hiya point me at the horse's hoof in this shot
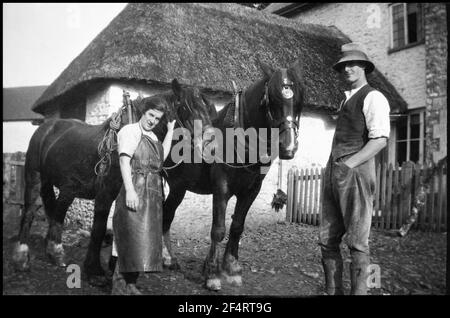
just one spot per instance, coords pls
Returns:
(58, 261)
(55, 253)
(172, 267)
(171, 264)
(21, 258)
(235, 280)
(213, 284)
(98, 281)
(22, 266)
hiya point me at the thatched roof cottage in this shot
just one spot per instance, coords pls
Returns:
(203, 44)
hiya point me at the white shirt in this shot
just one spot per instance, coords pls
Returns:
(376, 112)
(129, 136)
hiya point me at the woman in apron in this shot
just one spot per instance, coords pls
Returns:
(137, 220)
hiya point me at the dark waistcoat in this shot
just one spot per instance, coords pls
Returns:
(351, 131)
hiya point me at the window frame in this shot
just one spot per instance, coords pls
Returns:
(408, 139)
(421, 35)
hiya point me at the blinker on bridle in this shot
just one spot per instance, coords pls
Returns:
(287, 94)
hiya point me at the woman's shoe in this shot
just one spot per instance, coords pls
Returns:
(131, 289)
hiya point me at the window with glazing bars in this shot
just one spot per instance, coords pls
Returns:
(407, 24)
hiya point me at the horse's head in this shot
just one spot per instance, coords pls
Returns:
(282, 103)
(195, 113)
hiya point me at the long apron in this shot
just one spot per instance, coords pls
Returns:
(138, 234)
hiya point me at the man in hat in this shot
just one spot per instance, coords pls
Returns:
(361, 132)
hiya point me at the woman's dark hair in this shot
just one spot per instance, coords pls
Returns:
(154, 102)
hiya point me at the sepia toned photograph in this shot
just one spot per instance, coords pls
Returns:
(259, 150)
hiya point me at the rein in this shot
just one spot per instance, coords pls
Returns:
(177, 119)
(108, 145)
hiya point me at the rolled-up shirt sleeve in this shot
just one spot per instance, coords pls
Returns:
(376, 112)
(128, 139)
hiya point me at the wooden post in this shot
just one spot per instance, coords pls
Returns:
(18, 168)
(424, 215)
(280, 176)
(396, 199)
(409, 190)
(383, 197)
(310, 188)
(431, 205)
(20, 183)
(440, 174)
(300, 197)
(311, 196)
(403, 195)
(444, 190)
(305, 199)
(416, 188)
(389, 198)
(322, 186)
(290, 187)
(295, 197)
(316, 197)
(377, 187)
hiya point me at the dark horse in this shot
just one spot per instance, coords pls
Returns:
(272, 102)
(64, 153)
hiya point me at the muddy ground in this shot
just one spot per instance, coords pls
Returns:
(278, 259)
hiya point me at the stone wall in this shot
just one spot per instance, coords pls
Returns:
(435, 16)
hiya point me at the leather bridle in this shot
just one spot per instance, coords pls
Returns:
(288, 103)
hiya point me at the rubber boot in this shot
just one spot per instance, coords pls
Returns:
(118, 283)
(359, 274)
(112, 265)
(332, 268)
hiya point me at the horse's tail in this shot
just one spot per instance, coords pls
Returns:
(33, 163)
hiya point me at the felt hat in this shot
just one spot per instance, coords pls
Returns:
(353, 52)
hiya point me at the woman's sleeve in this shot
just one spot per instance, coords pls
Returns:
(127, 141)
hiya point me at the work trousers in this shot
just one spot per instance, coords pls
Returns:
(347, 208)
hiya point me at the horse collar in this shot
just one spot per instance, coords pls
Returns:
(238, 111)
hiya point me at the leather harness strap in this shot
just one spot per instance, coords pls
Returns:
(238, 115)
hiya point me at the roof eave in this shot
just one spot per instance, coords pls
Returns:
(294, 8)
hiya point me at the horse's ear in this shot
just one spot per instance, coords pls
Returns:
(268, 70)
(176, 88)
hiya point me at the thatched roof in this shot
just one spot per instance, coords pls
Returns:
(207, 45)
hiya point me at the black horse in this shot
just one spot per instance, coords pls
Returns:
(272, 102)
(65, 153)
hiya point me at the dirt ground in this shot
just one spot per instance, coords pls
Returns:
(278, 259)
